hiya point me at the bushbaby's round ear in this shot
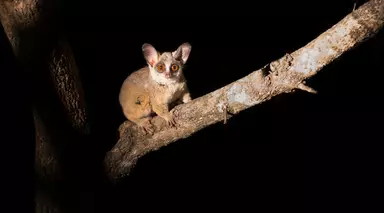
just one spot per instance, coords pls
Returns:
(182, 53)
(150, 53)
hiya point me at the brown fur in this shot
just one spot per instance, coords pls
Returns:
(134, 98)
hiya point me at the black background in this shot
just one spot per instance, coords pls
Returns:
(297, 150)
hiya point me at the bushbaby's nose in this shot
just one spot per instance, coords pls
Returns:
(167, 74)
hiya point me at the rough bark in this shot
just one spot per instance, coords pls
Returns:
(281, 76)
(57, 98)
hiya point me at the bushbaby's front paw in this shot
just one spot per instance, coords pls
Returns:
(187, 98)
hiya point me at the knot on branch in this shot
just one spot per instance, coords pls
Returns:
(281, 65)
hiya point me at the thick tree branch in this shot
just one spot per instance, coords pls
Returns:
(281, 76)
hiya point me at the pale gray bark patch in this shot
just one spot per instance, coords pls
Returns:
(237, 94)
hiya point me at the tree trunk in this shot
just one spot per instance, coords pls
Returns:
(57, 99)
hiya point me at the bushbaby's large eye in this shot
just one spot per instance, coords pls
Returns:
(160, 68)
(174, 67)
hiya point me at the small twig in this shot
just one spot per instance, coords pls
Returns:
(354, 5)
(304, 87)
(225, 109)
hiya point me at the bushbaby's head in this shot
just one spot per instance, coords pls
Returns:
(166, 67)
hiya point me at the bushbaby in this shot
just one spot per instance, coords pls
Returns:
(154, 88)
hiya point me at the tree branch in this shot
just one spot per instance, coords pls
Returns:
(281, 76)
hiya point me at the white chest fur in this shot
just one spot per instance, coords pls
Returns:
(173, 92)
